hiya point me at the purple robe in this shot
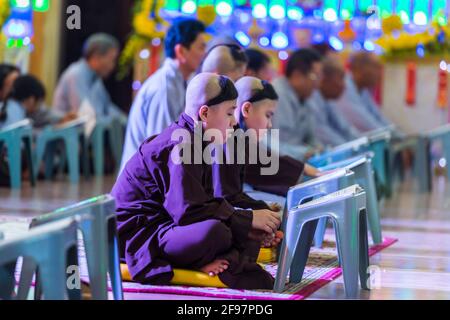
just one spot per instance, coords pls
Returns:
(168, 217)
(229, 179)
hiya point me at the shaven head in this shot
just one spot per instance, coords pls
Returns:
(256, 103)
(247, 87)
(204, 87)
(228, 60)
(211, 99)
(366, 69)
(333, 83)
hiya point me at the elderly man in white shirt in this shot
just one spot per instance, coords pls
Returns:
(294, 117)
(357, 104)
(332, 129)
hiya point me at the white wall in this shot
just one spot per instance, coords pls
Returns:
(423, 116)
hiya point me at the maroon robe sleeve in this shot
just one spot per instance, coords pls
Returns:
(288, 175)
(187, 201)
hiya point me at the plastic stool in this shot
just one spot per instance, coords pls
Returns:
(347, 210)
(51, 249)
(12, 137)
(98, 226)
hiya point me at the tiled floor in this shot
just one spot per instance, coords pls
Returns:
(417, 267)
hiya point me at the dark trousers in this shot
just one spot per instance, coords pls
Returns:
(196, 245)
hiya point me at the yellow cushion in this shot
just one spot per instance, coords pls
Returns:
(267, 255)
(197, 278)
(184, 278)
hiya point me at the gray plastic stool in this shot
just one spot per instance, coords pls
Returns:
(98, 226)
(364, 175)
(347, 210)
(51, 248)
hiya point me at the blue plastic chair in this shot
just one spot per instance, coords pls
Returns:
(362, 167)
(379, 145)
(423, 166)
(12, 137)
(72, 136)
(51, 249)
(318, 187)
(114, 128)
(347, 210)
(341, 152)
(98, 226)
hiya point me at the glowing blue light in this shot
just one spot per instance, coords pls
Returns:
(357, 46)
(420, 51)
(189, 7)
(259, 11)
(369, 45)
(242, 38)
(330, 15)
(336, 43)
(442, 162)
(16, 28)
(277, 12)
(295, 13)
(156, 42)
(264, 41)
(279, 40)
(144, 54)
(136, 85)
(318, 38)
(443, 65)
(373, 23)
(283, 55)
(317, 14)
(244, 18)
(224, 9)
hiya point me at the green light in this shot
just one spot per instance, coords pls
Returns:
(386, 8)
(277, 9)
(10, 43)
(21, 4)
(19, 43)
(188, 6)
(295, 13)
(41, 5)
(172, 5)
(330, 4)
(330, 13)
(259, 8)
(347, 9)
(203, 3)
(403, 10)
(345, 14)
(404, 16)
(420, 16)
(241, 2)
(364, 5)
(442, 20)
(439, 12)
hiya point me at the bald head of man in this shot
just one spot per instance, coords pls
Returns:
(256, 103)
(333, 82)
(226, 59)
(211, 99)
(366, 69)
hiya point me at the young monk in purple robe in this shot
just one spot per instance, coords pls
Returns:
(168, 216)
(257, 104)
